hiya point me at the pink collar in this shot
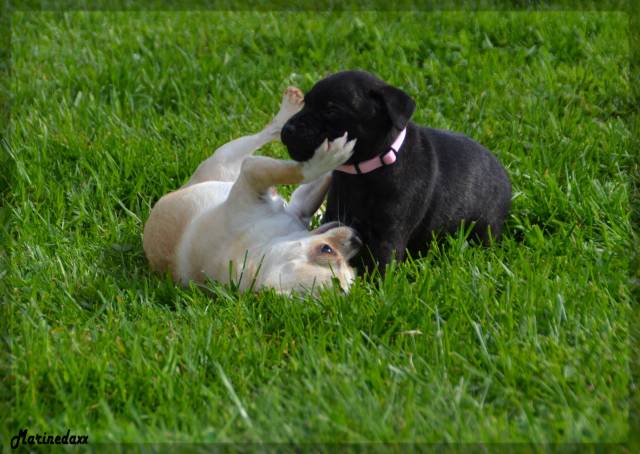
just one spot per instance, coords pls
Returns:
(385, 159)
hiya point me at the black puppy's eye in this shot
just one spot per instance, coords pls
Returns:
(326, 249)
(331, 113)
(332, 109)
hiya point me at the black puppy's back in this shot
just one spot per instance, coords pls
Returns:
(471, 187)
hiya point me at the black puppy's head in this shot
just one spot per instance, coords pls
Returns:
(357, 102)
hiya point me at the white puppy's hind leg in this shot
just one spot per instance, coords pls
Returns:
(292, 102)
(226, 161)
(224, 164)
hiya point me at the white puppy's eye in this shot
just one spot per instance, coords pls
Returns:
(326, 249)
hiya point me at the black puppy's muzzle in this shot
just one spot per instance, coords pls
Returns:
(301, 135)
(288, 130)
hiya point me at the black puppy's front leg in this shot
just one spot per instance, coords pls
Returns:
(379, 252)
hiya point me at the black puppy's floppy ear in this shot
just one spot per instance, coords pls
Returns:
(399, 105)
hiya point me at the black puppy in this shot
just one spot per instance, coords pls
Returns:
(404, 182)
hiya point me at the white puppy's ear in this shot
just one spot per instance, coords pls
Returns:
(338, 237)
(325, 228)
(400, 106)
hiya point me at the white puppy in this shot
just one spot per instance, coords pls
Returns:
(229, 224)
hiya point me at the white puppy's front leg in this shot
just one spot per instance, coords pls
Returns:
(259, 173)
(307, 198)
(327, 157)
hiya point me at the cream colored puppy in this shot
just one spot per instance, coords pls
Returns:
(229, 224)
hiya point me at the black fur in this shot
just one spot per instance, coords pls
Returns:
(440, 179)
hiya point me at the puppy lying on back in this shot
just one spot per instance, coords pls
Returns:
(404, 182)
(229, 224)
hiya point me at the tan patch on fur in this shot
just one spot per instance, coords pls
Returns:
(163, 231)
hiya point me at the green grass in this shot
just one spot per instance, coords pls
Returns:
(524, 341)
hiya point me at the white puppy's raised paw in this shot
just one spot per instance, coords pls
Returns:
(292, 102)
(327, 157)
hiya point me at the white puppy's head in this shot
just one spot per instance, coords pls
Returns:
(311, 261)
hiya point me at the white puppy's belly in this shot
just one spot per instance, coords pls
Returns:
(207, 195)
(224, 245)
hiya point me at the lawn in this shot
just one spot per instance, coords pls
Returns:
(524, 341)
